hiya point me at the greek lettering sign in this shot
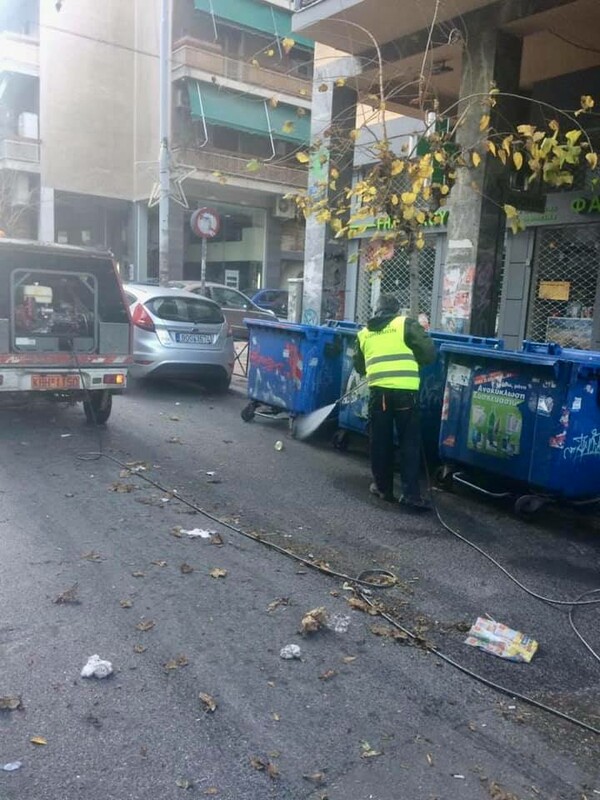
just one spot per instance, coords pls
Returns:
(586, 205)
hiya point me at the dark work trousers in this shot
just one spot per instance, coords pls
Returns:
(399, 409)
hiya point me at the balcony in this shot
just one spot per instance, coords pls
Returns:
(193, 59)
(19, 53)
(234, 167)
(20, 154)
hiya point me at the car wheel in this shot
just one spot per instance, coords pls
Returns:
(97, 409)
(222, 384)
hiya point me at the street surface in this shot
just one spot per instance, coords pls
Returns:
(360, 716)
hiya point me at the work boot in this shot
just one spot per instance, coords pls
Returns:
(389, 498)
(410, 503)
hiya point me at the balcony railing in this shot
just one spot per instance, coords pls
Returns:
(300, 4)
(19, 53)
(23, 151)
(235, 166)
(192, 54)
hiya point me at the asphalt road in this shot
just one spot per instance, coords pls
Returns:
(366, 716)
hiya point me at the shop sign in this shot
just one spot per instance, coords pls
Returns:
(554, 290)
(586, 205)
(385, 223)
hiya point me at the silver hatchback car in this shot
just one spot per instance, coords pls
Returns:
(177, 334)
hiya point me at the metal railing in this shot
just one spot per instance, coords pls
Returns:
(300, 4)
(25, 150)
(192, 54)
(226, 165)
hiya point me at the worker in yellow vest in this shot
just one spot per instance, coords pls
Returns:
(390, 350)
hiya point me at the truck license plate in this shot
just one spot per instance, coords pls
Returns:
(45, 383)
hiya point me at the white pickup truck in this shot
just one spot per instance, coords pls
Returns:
(64, 326)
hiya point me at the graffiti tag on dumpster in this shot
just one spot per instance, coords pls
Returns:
(584, 446)
(495, 422)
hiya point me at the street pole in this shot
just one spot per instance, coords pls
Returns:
(203, 253)
(163, 167)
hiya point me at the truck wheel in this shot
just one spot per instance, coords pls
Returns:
(97, 409)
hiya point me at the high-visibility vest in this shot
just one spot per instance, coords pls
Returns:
(389, 361)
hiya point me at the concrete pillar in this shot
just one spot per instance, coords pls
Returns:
(476, 221)
(271, 274)
(176, 241)
(139, 241)
(333, 113)
(46, 231)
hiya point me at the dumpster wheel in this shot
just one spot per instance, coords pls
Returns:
(443, 477)
(248, 412)
(528, 505)
(340, 440)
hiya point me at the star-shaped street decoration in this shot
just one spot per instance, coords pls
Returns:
(178, 173)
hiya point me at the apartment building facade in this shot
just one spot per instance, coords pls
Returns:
(79, 133)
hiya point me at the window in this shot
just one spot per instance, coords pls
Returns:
(229, 298)
(185, 309)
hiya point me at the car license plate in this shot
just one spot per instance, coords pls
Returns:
(54, 382)
(194, 338)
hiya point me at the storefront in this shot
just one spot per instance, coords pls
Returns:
(414, 278)
(551, 286)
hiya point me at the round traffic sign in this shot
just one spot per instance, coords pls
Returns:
(205, 223)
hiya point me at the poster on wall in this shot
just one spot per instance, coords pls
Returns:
(495, 420)
(456, 298)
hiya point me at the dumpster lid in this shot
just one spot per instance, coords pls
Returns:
(289, 327)
(534, 359)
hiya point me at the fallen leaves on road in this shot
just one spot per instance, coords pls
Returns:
(217, 539)
(126, 603)
(138, 574)
(68, 596)
(327, 675)
(158, 563)
(280, 601)
(498, 792)
(11, 702)
(184, 783)
(262, 765)
(139, 648)
(429, 759)
(92, 556)
(361, 605)
(122, 488)
(217, 572)
(209, 704)
(186, 569)
(275, 716)
(318, 778)
(174, 418)
(211, 790)
(145, 625)
(314, 620)
(368, 752)
(176, 663)
(38, 740)
(349, 659)
(389, 632)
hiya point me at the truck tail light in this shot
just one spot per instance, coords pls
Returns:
(142, 319)
(117, 379)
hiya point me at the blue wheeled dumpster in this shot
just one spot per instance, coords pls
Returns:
(354, 410)
(292, 368)
(525, 421)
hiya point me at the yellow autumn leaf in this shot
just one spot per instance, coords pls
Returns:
(592, 160)
(476, 159)
(340, 82)
(491, 148)
(510, 211)
(518, 160)
(397, 167)
(484, 122)
(502, 156)
(526, 130)
(300, 112)
(273, 102)
(421, 217)
(302, 157)
(253, 165)
(408, 213)
(573, 137)
(303, 92)
(270, 53)
(395, 200)
(255, 62)
(439, 156)
(444, 189)
(334, 172)
(420, 243)
(554, 126)
(288, 126)
(287, 44)
(323, 87)
(323, 216)
(587, 102)
(353, 135)
(38, 740)
(506, 143)
(217, 572)
(408, 198)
